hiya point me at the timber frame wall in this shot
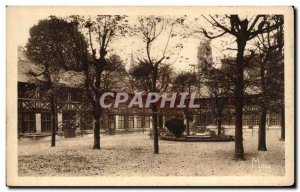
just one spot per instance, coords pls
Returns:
(74, 112)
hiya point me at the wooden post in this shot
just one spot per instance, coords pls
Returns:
(135, 121)
(59, 123)
(150, 122)
(38, 123)
(117, 121)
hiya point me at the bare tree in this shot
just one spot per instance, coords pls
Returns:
(141, 80)
(101, 31)
(243, 30)
(150, 29)
(271, 75)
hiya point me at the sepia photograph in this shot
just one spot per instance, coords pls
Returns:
(150, 96)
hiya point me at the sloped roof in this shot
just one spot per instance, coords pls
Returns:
(26, 65)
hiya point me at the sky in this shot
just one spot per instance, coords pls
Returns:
(126, 47)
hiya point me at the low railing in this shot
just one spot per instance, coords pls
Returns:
(36, 104)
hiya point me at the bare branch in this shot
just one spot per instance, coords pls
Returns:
(212, 37)
(265, 30)
(217, 24)
(254, 23)
(171, 30)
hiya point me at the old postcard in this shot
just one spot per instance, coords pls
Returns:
(150, 96)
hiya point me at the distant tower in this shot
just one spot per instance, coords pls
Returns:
(204, 55)
(132, 64)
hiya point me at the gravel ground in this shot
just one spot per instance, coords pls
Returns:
(132, 155)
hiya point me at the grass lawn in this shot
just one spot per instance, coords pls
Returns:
(132, 155)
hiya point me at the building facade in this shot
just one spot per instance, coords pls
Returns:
(74, 112)
(251, 115)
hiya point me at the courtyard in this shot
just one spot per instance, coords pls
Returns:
(132, 155)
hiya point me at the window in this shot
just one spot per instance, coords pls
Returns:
(274, 119)
(46, 122)
(28, 122)
(111, 122)
(121, 121)
(247, 120)
(140, 122)
(147, 121)
(130, 122)
(256, 120)
(63, 94)
(143, 122)
(126, 122)
(75, 94)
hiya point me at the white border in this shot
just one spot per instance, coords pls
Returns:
(3, 3)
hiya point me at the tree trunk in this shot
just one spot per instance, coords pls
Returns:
(53, 120)
(97, 131)
(239, 148)
(262, 131)
(160, 121)
(219, 126)
(97, 118)
(154, 111)
(155, 129)
(187, 123)
(96, 105)
(187, 115)
(282, 122)
(187, 126)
